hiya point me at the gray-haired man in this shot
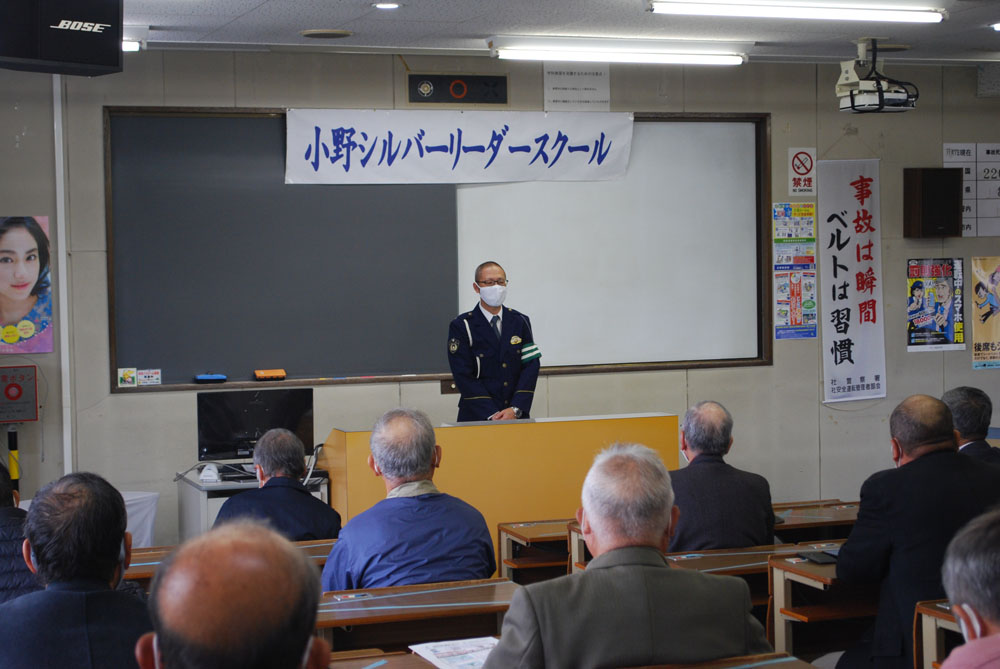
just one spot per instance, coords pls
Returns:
(281, 500)
(721, 506)
(629, 608)
(417, 534)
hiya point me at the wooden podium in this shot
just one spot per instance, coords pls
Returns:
(511, 471)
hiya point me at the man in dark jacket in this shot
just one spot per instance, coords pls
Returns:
(906, 518)
(76, 543)
(721, 506)
(15, 577)
(971, 409)
(281, 500)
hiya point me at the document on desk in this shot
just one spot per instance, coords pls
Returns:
(462, 653)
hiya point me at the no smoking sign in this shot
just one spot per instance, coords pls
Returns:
(802, 171)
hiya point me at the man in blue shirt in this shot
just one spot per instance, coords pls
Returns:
(417, 534)
(281, 500)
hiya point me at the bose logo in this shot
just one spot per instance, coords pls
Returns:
(82, 26)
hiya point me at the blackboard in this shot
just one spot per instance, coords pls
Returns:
(215, 265)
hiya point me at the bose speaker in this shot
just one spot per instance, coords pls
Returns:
(81, 37)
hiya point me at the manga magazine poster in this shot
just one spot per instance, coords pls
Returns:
(934, 289)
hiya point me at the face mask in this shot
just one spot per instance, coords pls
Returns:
(685, 456)
(975, 623)
(493, 295)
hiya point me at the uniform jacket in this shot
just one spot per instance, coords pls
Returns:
(492, 375)
(906, 518)
(15, 577)
(981, 450)
(408, 540)
(74, 624)
(628, 609)
(289, 508)
(721, 506)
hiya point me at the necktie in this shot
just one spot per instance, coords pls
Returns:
(495, 322)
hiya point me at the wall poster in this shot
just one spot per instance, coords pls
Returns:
(25, 285)
(934, 288)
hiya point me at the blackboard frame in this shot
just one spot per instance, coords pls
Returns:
(764, 340)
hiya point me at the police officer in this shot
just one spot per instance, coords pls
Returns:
(492, 353)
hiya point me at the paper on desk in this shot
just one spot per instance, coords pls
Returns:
(464, 653)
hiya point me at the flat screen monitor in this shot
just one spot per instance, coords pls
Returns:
(231, 422)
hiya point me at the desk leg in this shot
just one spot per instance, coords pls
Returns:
(782, 600)
(932, 639)
(506, 553)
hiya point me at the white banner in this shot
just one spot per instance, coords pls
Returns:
(351, 146)
(851, 280)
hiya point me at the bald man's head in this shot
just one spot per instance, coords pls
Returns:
(922, 423)
(238, 596)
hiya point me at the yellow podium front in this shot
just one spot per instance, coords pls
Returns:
(511, 471)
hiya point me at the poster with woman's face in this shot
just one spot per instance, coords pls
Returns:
(25, 285)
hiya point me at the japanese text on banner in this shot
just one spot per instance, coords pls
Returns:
(357, 146)
(851, 283)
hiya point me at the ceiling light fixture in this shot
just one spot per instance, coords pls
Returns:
(606, 50)
(789, 10)
(386, 5)
(133, 37)
(996, 26)
(130, 45)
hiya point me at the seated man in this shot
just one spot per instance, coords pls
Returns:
(971, 575)
(417, 534)
(240, 597)
(280, 461)
(971, 410)
(721, 506)
(906, 518)
(15, 577)
(77, 545)
(629, 608)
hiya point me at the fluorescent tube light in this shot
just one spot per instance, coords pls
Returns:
(996, 26)
(620, 57)
(608, 50)
(778, 10)
(130, 45)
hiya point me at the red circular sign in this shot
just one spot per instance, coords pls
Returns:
(13, 392)
(802, 163)
(456, 86)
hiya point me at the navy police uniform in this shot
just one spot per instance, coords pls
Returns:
(492, 375)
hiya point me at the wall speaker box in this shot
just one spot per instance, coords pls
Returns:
(82, 37)
(932, 202)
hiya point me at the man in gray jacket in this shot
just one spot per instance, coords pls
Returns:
(629, 608)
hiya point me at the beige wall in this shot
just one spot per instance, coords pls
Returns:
(805, 449)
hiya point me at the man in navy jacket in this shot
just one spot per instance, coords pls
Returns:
(281, 500)
(492, 353)
(971, 409)
(77, 545)
(15, 577)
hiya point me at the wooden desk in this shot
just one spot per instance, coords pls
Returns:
(850, 601)
(815, 521)
(931, 621)
(394, 618)
(748, 563)
(508, 470)
(777, 660)
(145, 561)
(373, 657)
(531, 552)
